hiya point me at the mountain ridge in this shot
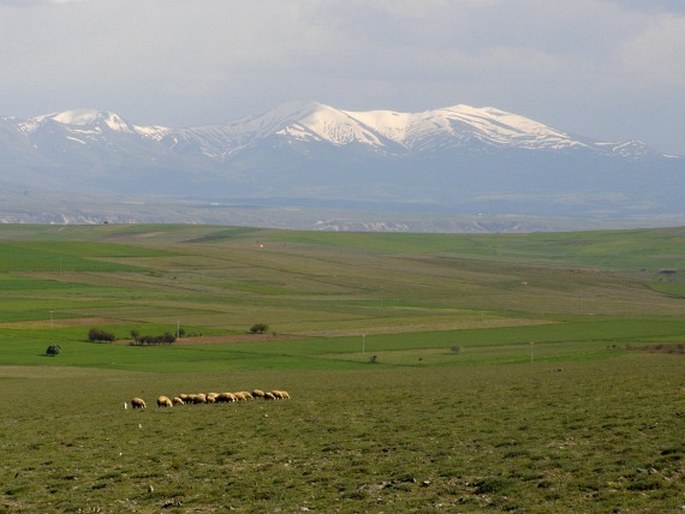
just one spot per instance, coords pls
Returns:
(460, 121)
(459, 158)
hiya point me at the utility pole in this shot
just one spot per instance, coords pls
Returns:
(580, 302)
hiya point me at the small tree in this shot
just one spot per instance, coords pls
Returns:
(259, 328)
(99, 335)
(53, 349)
(455, 348)
(166, 338)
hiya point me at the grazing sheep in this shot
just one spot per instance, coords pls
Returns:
(164, 401)
(226, 398)
(211, 397)
(269, 396)
(185, 397)
(280, 395)
(178, 400)
(200, 398)
(257, 393)
(239, 396)
(138, 403)
(248, 395)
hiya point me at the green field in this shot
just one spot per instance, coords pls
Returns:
(427, 372)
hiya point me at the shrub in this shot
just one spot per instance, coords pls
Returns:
(373, 359)
(100, 336)
(139, 340)
(259, 328)
(53, 349)
(455, 348)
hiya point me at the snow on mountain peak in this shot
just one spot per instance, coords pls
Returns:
(632, 149)
(337, 127)
(310, 121)
(391, 124)
(77, 117)
(461, 123)
(90, 118)
(504, 128)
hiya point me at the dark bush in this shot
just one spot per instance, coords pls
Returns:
(259, 328)
(53, 349)
(100, 336)
(139, 340)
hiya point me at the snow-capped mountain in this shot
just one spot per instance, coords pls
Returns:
(392, 132)
(86, 121)
(459, 158)
(451, 126)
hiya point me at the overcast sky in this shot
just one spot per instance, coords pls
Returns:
(608, 69)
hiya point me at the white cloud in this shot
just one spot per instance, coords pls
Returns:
(30, 3)
(656, 53)
(650, 6)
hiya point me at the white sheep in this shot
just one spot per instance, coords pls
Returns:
(164, 401)
(138, 403)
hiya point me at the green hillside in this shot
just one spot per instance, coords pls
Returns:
(427, 372)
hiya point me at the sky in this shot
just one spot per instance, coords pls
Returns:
(607, 69)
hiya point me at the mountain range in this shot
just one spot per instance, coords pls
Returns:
(458, 160)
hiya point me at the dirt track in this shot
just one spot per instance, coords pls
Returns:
(235, 338)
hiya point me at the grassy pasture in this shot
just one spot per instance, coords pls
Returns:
(543, 409)
(577, 436)
(223, 279)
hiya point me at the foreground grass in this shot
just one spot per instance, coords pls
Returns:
(582, 436)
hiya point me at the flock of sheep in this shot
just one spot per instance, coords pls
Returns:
(185, 399)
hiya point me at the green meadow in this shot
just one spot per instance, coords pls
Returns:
(528, 373)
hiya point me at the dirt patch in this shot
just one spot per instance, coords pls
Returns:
(56, 323)
(83, 321)
(50, 372)
(236, 338)
(678, 348)
(147, 234)
(433, 327)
